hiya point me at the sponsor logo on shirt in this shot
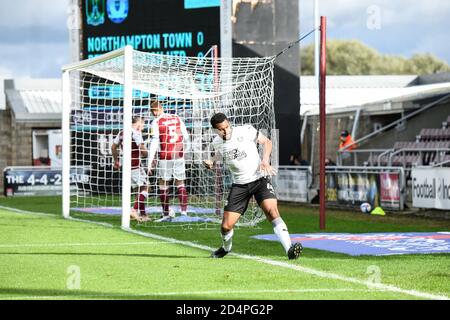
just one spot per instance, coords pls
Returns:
(235, 154)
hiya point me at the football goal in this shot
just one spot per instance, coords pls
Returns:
(102, 95)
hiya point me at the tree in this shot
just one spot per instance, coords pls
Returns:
(352, 57)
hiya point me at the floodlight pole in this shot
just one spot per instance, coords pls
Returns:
(322, 108)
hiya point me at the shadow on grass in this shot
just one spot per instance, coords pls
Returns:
(105, 254)
(27, 293)
(49, 226)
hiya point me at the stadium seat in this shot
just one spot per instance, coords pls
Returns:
(432, 134)
(445, 134)
(400, 145)
(418, 152)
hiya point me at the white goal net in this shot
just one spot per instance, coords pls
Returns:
(103, 94)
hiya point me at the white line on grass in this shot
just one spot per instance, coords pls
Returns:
(190, 293)
(81, 244)
(322, 274)
(54, 216)
(14, 210)
(318, 273)
(104, 224)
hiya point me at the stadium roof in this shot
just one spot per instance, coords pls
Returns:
(34, 99)
(40, 99)
(372, 94)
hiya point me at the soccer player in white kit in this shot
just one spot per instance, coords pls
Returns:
(171, 139)
(237, 147)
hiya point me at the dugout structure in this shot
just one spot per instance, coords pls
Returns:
(101, 95)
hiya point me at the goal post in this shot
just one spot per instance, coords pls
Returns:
(101, 96)
(69, 101)
(65, 126)
(126, 124)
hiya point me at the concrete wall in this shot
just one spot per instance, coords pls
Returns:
(16, 140)
(5, 142)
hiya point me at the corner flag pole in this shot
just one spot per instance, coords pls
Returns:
(322, 90)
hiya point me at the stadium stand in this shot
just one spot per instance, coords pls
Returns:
(432, 146)
(432, 134)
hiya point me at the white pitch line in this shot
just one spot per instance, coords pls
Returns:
(19, 211)
(318, 273)
(307, 270)
(104, 224)
(190, 293)
(54, 216)
(81, 244)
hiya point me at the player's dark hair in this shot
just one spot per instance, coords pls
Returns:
(155, 104)
(136, 119)
(218, 118)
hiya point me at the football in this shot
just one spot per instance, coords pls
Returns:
(365, 207)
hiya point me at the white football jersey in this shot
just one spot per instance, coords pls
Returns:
(240, 153)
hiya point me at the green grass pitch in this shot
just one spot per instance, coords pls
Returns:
(48, 257)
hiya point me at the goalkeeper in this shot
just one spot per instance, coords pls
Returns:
(238, 148)
(138, 175)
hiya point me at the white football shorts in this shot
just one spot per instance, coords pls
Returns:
(168, 169)
(138, 177)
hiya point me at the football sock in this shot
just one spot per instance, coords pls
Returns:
(227, 241)
(164, 198)
(142, 196)
(183, 197)
(281, 230)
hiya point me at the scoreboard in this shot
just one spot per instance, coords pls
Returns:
(168, 27)
(172, 27)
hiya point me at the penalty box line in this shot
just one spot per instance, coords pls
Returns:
(318, 273)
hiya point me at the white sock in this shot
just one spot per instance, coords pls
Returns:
(227, 241)
(281, 230)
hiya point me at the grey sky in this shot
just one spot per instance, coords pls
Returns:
(34, 40)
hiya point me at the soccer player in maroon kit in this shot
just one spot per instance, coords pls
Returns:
(170, 136)
(138, 174)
